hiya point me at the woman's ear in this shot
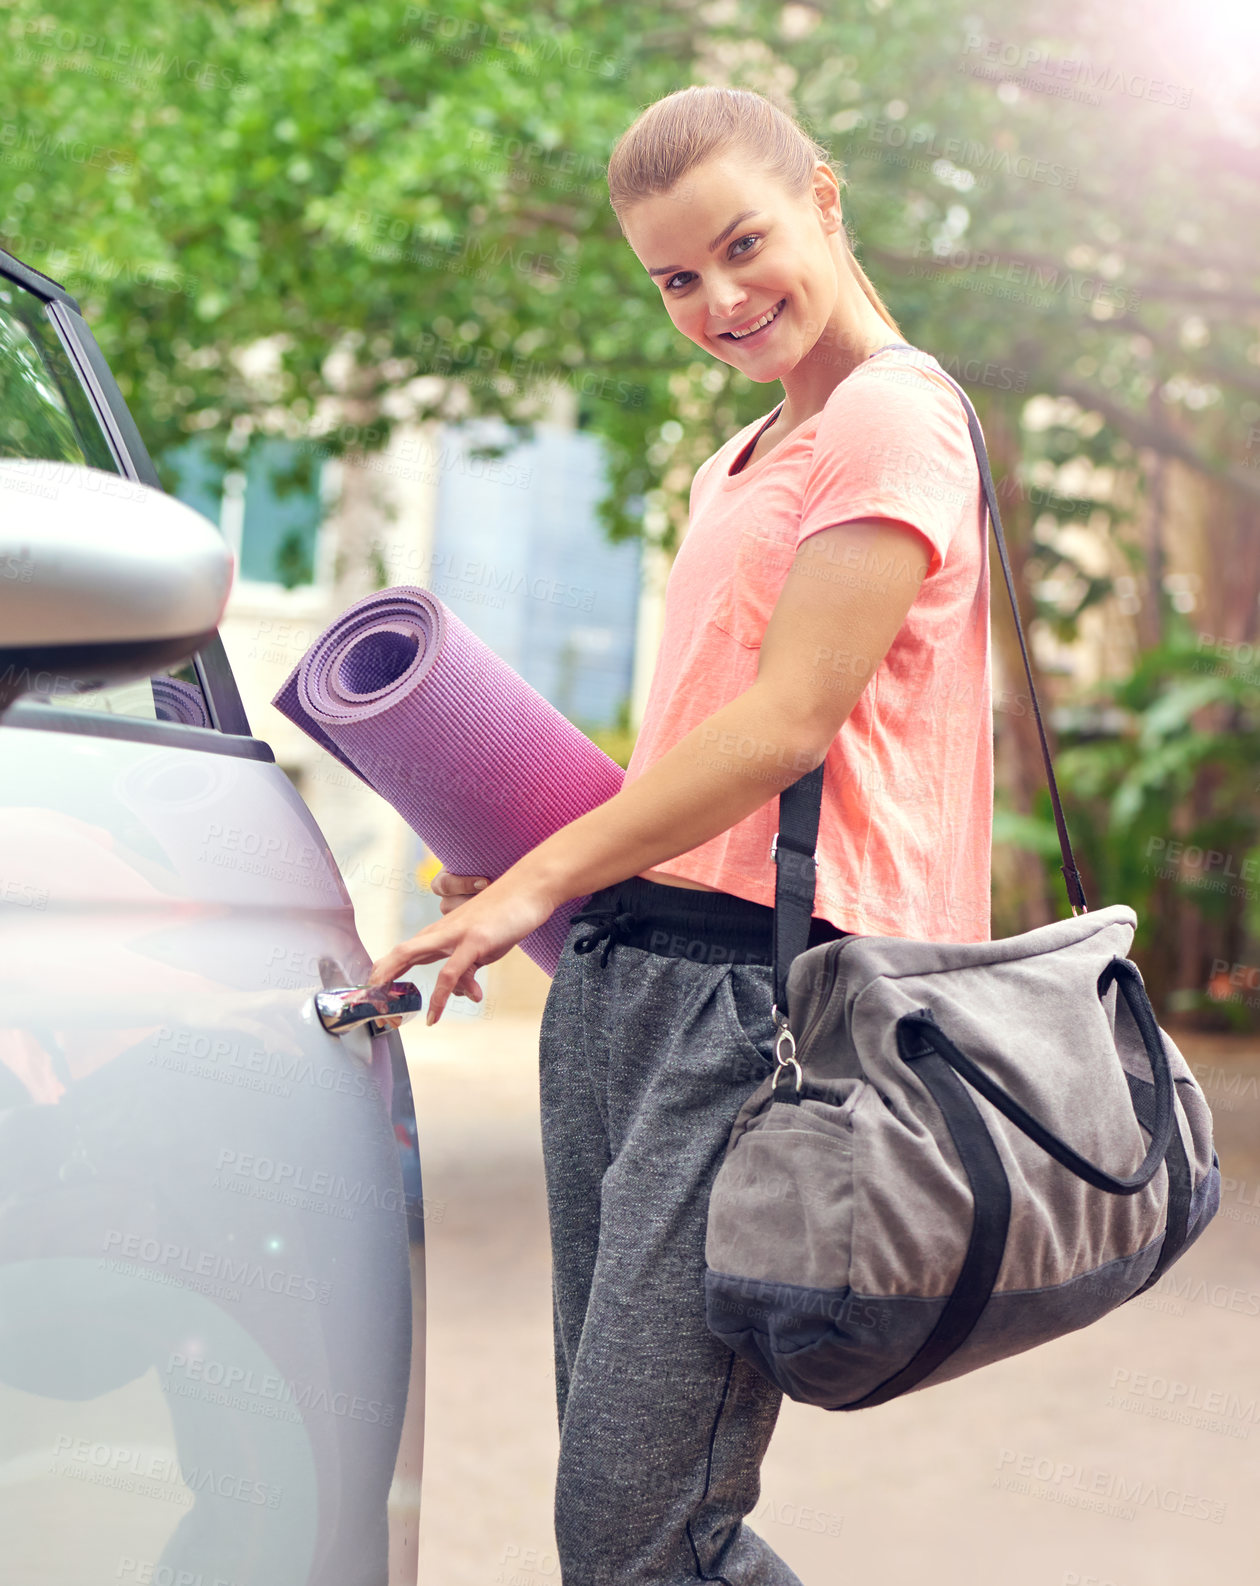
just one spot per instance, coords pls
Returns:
(827, 197)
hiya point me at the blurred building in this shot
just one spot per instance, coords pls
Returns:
(505, 534)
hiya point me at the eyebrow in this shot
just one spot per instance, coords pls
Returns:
(669, 269)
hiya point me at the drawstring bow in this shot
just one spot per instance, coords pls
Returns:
(612, 925)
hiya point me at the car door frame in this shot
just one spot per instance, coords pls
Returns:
(126, 445)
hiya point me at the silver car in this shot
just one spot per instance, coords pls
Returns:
(211, 1229)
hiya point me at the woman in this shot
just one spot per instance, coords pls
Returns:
(829, 604)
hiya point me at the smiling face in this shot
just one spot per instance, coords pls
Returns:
(727, 246)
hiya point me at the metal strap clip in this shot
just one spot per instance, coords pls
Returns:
(784, 1059)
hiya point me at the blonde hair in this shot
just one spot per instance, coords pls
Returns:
(692, 125)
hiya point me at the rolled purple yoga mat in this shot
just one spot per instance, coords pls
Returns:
(479, 764)
(175, 700)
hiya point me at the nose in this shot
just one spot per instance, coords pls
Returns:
(728, 303)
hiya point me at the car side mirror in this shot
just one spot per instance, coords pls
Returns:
(102, 579)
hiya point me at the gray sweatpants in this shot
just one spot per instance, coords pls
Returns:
(645, 1058)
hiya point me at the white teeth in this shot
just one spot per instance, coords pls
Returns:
(764, 320)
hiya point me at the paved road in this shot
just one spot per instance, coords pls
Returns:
(941, 1486)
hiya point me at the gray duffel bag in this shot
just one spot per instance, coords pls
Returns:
(964, 1149)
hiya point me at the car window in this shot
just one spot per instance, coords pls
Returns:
(45, 414)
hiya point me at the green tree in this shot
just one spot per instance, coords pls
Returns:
(1058, 201)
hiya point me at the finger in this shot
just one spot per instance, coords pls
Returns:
(468, 981)
(389, 966)
(468, 987)
(422, 948)
(461, 962)
(446, 885)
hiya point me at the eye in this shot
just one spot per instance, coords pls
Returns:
(751, 236)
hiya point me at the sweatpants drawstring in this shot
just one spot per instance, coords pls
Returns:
(613, 926)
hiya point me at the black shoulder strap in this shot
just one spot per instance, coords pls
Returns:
(800, 804)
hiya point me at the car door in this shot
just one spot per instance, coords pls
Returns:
(211, 1237)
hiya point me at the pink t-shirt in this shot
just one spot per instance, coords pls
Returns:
(905, 831)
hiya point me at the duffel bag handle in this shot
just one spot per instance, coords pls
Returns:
(1122, 970)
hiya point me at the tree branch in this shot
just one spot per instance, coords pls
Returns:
(1166, 288)
(1163, 438)
(1241, 378)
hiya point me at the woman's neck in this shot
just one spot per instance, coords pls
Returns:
(803, 398)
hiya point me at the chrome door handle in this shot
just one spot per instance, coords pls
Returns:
(343, 1008)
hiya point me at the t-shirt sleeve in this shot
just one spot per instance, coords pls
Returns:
(892, 443)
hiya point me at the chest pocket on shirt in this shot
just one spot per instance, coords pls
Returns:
(746, 595)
